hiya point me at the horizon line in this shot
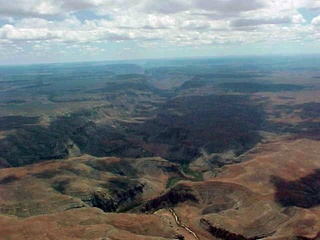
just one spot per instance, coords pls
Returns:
(162, 58)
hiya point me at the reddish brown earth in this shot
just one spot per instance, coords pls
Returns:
(263, 210)
(33, 208)
(255, 188)
(244, 199)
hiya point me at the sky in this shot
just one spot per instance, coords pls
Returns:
(41, 31)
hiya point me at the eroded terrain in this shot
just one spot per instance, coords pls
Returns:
(124, 151)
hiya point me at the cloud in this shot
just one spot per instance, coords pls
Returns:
(45, 8)
(68, 30)
(257, 22)
(226, 6)
(41, 24)
(298, 19)
(24, 8)
(9, 32)
(316, 21)
(196, 25)
(167, 7)
(234, 6)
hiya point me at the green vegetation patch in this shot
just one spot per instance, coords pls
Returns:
(195, 176)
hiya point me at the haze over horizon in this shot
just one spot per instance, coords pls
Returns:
(41, 31)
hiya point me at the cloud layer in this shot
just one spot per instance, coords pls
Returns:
(35, 27)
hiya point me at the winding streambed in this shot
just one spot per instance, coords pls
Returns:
(180, 224)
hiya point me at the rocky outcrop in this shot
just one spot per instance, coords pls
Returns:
(223, 233)
(117, 201)
(66, 136)
(179, 194)
(307, 238)
(232, 124)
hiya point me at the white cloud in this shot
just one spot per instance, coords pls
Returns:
(298, 19)
(256, 22)
(234, 6)
(44, 23)
(9, 32)
(316, 21)
(168, 6)
(28, 7)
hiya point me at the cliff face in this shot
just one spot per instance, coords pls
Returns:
(178, 194)
(67, 136)
(224, 234)
(317, 237)
(111, 184)
(116, 201)
(242, 202)
(188, 124)
(170, 128)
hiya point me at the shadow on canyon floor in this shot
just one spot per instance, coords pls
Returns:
(303, 192)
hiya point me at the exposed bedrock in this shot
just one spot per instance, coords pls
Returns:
(175, 132)
(217, 196)
(67, 136)
(309, 238)
(117, 200)
(179, 194)
(112, 196)
(226, 123)
(211, 197)
(223, 233)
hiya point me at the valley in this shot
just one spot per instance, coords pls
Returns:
(184, 149)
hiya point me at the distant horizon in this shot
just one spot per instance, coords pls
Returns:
(162, 58)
